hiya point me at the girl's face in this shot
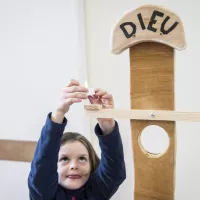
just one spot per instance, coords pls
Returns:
(73, 165)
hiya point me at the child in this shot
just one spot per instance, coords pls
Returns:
(65, 166)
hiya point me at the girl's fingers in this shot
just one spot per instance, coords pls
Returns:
(75, 89)
(72, 100)
(75, 95)
(94, 100)
(108, 102)
(107, 96)
(74, 86)
(73, 82)
(100, 92)
(91, 99)
(103, 95)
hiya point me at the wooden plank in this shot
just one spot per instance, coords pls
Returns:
(156, 115)
(93, 107)
(16, 150)
(152, 87)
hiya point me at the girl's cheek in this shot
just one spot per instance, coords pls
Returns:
(62, 163)
(85, 166)
(62, 167)
(62, 171)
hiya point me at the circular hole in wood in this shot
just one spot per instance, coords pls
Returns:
(154, 140)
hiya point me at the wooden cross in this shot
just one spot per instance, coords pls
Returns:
(151, 33)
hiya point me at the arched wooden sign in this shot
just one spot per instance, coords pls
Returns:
(145, 24)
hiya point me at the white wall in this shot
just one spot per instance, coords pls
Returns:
(112, 73)
(41, 48)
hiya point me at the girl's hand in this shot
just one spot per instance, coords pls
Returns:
(72, 93)
(106, 100)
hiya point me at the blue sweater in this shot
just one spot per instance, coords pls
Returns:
(101, 185)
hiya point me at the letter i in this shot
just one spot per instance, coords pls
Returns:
(141, 21)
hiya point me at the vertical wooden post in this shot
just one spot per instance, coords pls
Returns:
(151, 33)
(152, 84)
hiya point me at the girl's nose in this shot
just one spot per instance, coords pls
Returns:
(73, 165)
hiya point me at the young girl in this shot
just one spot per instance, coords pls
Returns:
(65, 166)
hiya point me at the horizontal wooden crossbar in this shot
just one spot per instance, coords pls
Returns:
(160, 115)
(16, 150)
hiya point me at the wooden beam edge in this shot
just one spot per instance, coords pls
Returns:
(160, 115)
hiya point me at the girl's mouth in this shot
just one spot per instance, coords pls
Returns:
(74, 176)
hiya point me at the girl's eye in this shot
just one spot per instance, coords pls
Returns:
(65, 159)
(82, 159)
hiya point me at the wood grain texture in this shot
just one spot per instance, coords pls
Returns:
(153, 18)
(16, 150)
(93, 107)
(156, 115)
(152, 87)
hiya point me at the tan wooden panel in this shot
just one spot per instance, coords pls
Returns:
(152, 87)
(148, 23)
(16, 150)
(156, 115)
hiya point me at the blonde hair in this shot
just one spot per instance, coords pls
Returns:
(72, 137)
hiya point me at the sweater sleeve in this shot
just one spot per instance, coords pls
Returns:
(43, 176)
(111, 171)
